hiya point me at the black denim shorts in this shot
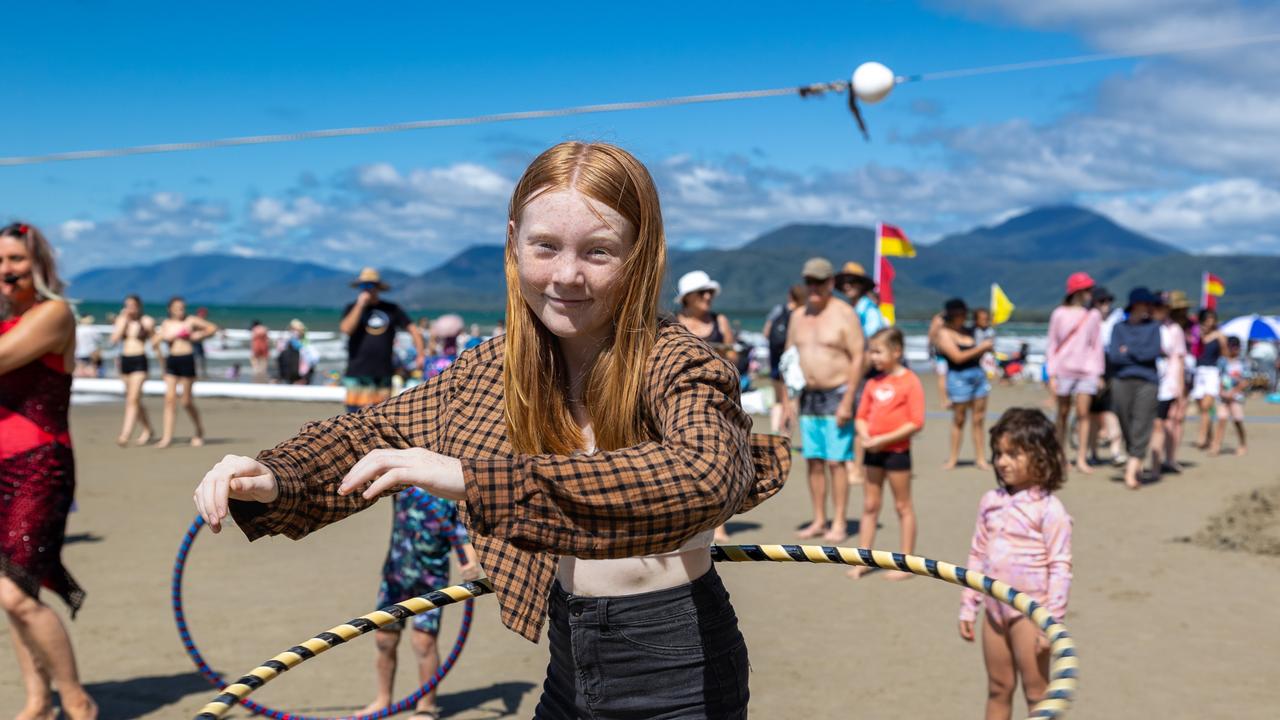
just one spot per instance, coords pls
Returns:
(673, 653)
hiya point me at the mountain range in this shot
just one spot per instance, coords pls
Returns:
(1029, 255)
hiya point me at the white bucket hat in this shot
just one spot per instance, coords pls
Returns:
(692, 282)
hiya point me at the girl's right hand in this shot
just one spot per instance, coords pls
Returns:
(236, 478)
(966, 630)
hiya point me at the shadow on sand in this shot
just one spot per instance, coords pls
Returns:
(123, 699)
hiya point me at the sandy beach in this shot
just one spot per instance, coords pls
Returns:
(1165, 628)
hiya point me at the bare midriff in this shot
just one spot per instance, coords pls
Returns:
(635, 575)
(631, 576)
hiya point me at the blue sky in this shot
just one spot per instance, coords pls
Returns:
(1176, 147)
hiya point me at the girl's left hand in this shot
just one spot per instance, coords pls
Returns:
(1042, 644)
(382, 471)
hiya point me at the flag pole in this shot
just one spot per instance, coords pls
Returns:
(875, 263)
(1204, 289)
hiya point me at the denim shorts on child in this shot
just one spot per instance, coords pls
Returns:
(822, 437)
(967, 385)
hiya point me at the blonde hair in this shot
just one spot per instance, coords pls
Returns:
(44, 268)
(534, 374)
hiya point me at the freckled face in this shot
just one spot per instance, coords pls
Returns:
(569, 249)
(1013, 463)
(15, 261)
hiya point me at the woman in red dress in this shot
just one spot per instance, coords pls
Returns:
(37, 471)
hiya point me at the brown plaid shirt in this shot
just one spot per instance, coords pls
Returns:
(524, 510)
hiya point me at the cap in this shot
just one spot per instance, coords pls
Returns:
(817, 268)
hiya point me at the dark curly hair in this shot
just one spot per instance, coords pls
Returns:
(1032, 432)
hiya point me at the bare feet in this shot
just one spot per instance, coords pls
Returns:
(164, 443)
(1084, 468)
(897, 575)
(373, 707)
(1242, 450)
(197, 442)
(812, 530)
(1132, 483)
(144, 438)
(1213, 451)
(122, 441)
(949, 465)
(982, 464)
(837, 534)
(82, 709)
(856, 572)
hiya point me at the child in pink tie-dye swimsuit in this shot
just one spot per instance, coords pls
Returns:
(1023, 537)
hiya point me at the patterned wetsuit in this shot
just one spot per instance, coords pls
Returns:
(37, 475)
(418, 558)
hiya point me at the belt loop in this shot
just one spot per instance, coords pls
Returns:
(602, 614)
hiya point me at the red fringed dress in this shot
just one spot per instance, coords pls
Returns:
(37, 475)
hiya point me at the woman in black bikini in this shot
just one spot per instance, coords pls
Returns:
(132, 330)
(180, 330)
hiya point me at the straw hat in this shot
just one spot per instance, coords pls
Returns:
(370, 275)
(696, 281)
(854, 272)
(1177, 300)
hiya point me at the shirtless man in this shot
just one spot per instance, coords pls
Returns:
(827, 334)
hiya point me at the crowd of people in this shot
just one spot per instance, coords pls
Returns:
(1138, 369)
(599, 466)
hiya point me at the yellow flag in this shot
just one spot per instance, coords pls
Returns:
(1001, 306)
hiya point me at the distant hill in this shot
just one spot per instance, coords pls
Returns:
(1052, 234)
(1030, 255)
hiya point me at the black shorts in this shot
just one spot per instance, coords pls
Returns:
(1162, 409)
(892, 460)
(1101, 402)
(183, 366)
(130, 364)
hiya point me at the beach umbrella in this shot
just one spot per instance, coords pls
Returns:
(447, 326)
(1253, 327)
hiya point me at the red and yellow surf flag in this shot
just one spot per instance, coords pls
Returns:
(893, 242)
(1211, 288)
(884, 286)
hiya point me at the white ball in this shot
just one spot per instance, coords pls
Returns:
(872, 82)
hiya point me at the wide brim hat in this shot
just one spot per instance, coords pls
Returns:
(1177, 300)
(370, 275)
(695, 281)
(854, 272)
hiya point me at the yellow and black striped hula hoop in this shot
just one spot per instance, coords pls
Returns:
(1063, 663)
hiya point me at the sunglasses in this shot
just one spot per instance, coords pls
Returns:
(707, 292)
(815, 281)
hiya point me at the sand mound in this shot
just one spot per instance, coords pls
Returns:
(1250, 523)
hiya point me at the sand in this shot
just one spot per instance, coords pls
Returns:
(1165, 628)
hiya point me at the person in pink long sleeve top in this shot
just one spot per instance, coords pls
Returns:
(1075, 359)
(1023, 537)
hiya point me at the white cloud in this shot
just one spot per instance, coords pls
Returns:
(1224, 216)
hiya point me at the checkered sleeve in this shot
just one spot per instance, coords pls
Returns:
(640, 500)
(309, 466)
